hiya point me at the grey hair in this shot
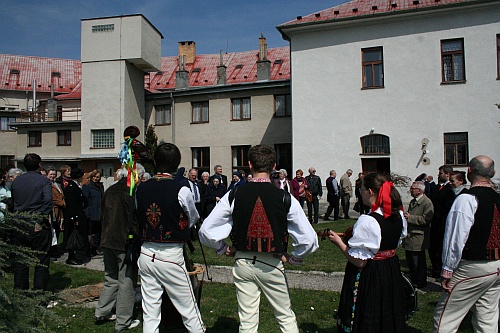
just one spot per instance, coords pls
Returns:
(349, 171)
(122, 173)
(420, 185)
(332, 172)
(205, 173)
(479, 169)
(217, 166)
(283, 171)
(15, 171)
(496, 184)
(140, 170)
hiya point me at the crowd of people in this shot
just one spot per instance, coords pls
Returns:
(459, 226)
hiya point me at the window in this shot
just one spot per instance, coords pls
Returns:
(284, 157)
(4, 121)
(241, 109)
(498, 57)
(240, 158)
(34, 138)
(456, 148)
(375, 144)
(201, 159)
(373, 68)
(163, 114)
(64, 138)
(200, 112)
(103, 138)
(453, 61)
(6, 160)
(282, 105)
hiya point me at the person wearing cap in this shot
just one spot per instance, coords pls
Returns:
(238, 180)
(218, 174)
(74, 215)
(32, 193)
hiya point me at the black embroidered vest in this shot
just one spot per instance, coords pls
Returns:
(483, 242)
(161, 217)
(259, 219)
(391, 229)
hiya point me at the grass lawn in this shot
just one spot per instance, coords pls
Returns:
(315, 310)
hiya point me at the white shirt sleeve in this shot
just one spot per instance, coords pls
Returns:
(366, 238)
(458, 224)
(217, 226)
(186, 201)
(305, 239)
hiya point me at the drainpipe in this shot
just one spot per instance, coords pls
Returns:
(172, 108)
(34, 96)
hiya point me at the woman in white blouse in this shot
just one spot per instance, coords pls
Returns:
(372, 292)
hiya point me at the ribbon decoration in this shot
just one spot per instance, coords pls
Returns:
(384, 199)
(126, 157)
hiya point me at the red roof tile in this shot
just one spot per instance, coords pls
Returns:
(241, 67)
(363, 8)
(18, 73)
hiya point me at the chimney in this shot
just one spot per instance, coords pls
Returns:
(263, 65)
(182, 75)
(221, 70)
(187, 49)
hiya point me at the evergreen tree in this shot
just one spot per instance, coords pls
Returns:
(151, 141)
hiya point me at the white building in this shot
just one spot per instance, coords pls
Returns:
(402, 86)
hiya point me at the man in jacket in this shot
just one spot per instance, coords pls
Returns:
(332, 197)
(345, 192)
(419, 217)
(314, 185)
(118, 222)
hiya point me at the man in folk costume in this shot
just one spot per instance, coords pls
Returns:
(259, 218)
(471, 253)
(166, 212)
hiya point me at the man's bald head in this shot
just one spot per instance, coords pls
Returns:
(481, 166)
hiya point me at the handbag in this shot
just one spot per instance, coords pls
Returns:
(309, 195)
(76, 242)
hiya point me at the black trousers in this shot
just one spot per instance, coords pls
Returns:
(310, 205)
(418, 267)
(39, 241)
(333, 205)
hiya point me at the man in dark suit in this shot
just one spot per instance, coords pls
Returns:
(444, 193)
(218, 174)
(332, 197)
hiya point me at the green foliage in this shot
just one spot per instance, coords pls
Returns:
(151, 142)
(20, 310)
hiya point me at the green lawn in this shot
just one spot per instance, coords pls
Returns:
(315, 310)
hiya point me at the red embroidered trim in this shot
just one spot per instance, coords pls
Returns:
(493, 245)
(259, 228)
(260, 180)
(381, 255)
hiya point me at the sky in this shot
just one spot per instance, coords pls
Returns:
(51, 28)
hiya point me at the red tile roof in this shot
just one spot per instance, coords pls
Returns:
(364, 8)
(241, 67)
(18, 73)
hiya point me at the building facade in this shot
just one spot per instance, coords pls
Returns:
(402, 86)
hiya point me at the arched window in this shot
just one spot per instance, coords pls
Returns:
(375, 144)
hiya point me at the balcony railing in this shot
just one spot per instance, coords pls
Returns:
(44, 116)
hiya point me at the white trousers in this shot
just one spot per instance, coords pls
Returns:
(162, 267)
(475, 287)
(265, 274)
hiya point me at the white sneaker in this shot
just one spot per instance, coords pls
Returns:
(133, 324)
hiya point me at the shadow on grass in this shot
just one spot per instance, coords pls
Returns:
(59, 281)
(312, 327)
(224, 325)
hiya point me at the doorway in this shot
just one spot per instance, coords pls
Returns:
(382, 165)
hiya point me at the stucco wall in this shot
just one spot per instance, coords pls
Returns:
(332, 112)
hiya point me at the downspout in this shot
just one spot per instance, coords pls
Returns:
(34, 96)
(172, 108)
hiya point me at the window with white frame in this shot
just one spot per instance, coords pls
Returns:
(163, 114)
(6, 120)
(282, 105)
(103, 138)
(453, 60)
(200, 112)
(241, 109)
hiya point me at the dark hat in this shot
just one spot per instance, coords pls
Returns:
(76, 173)
(237, 173)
